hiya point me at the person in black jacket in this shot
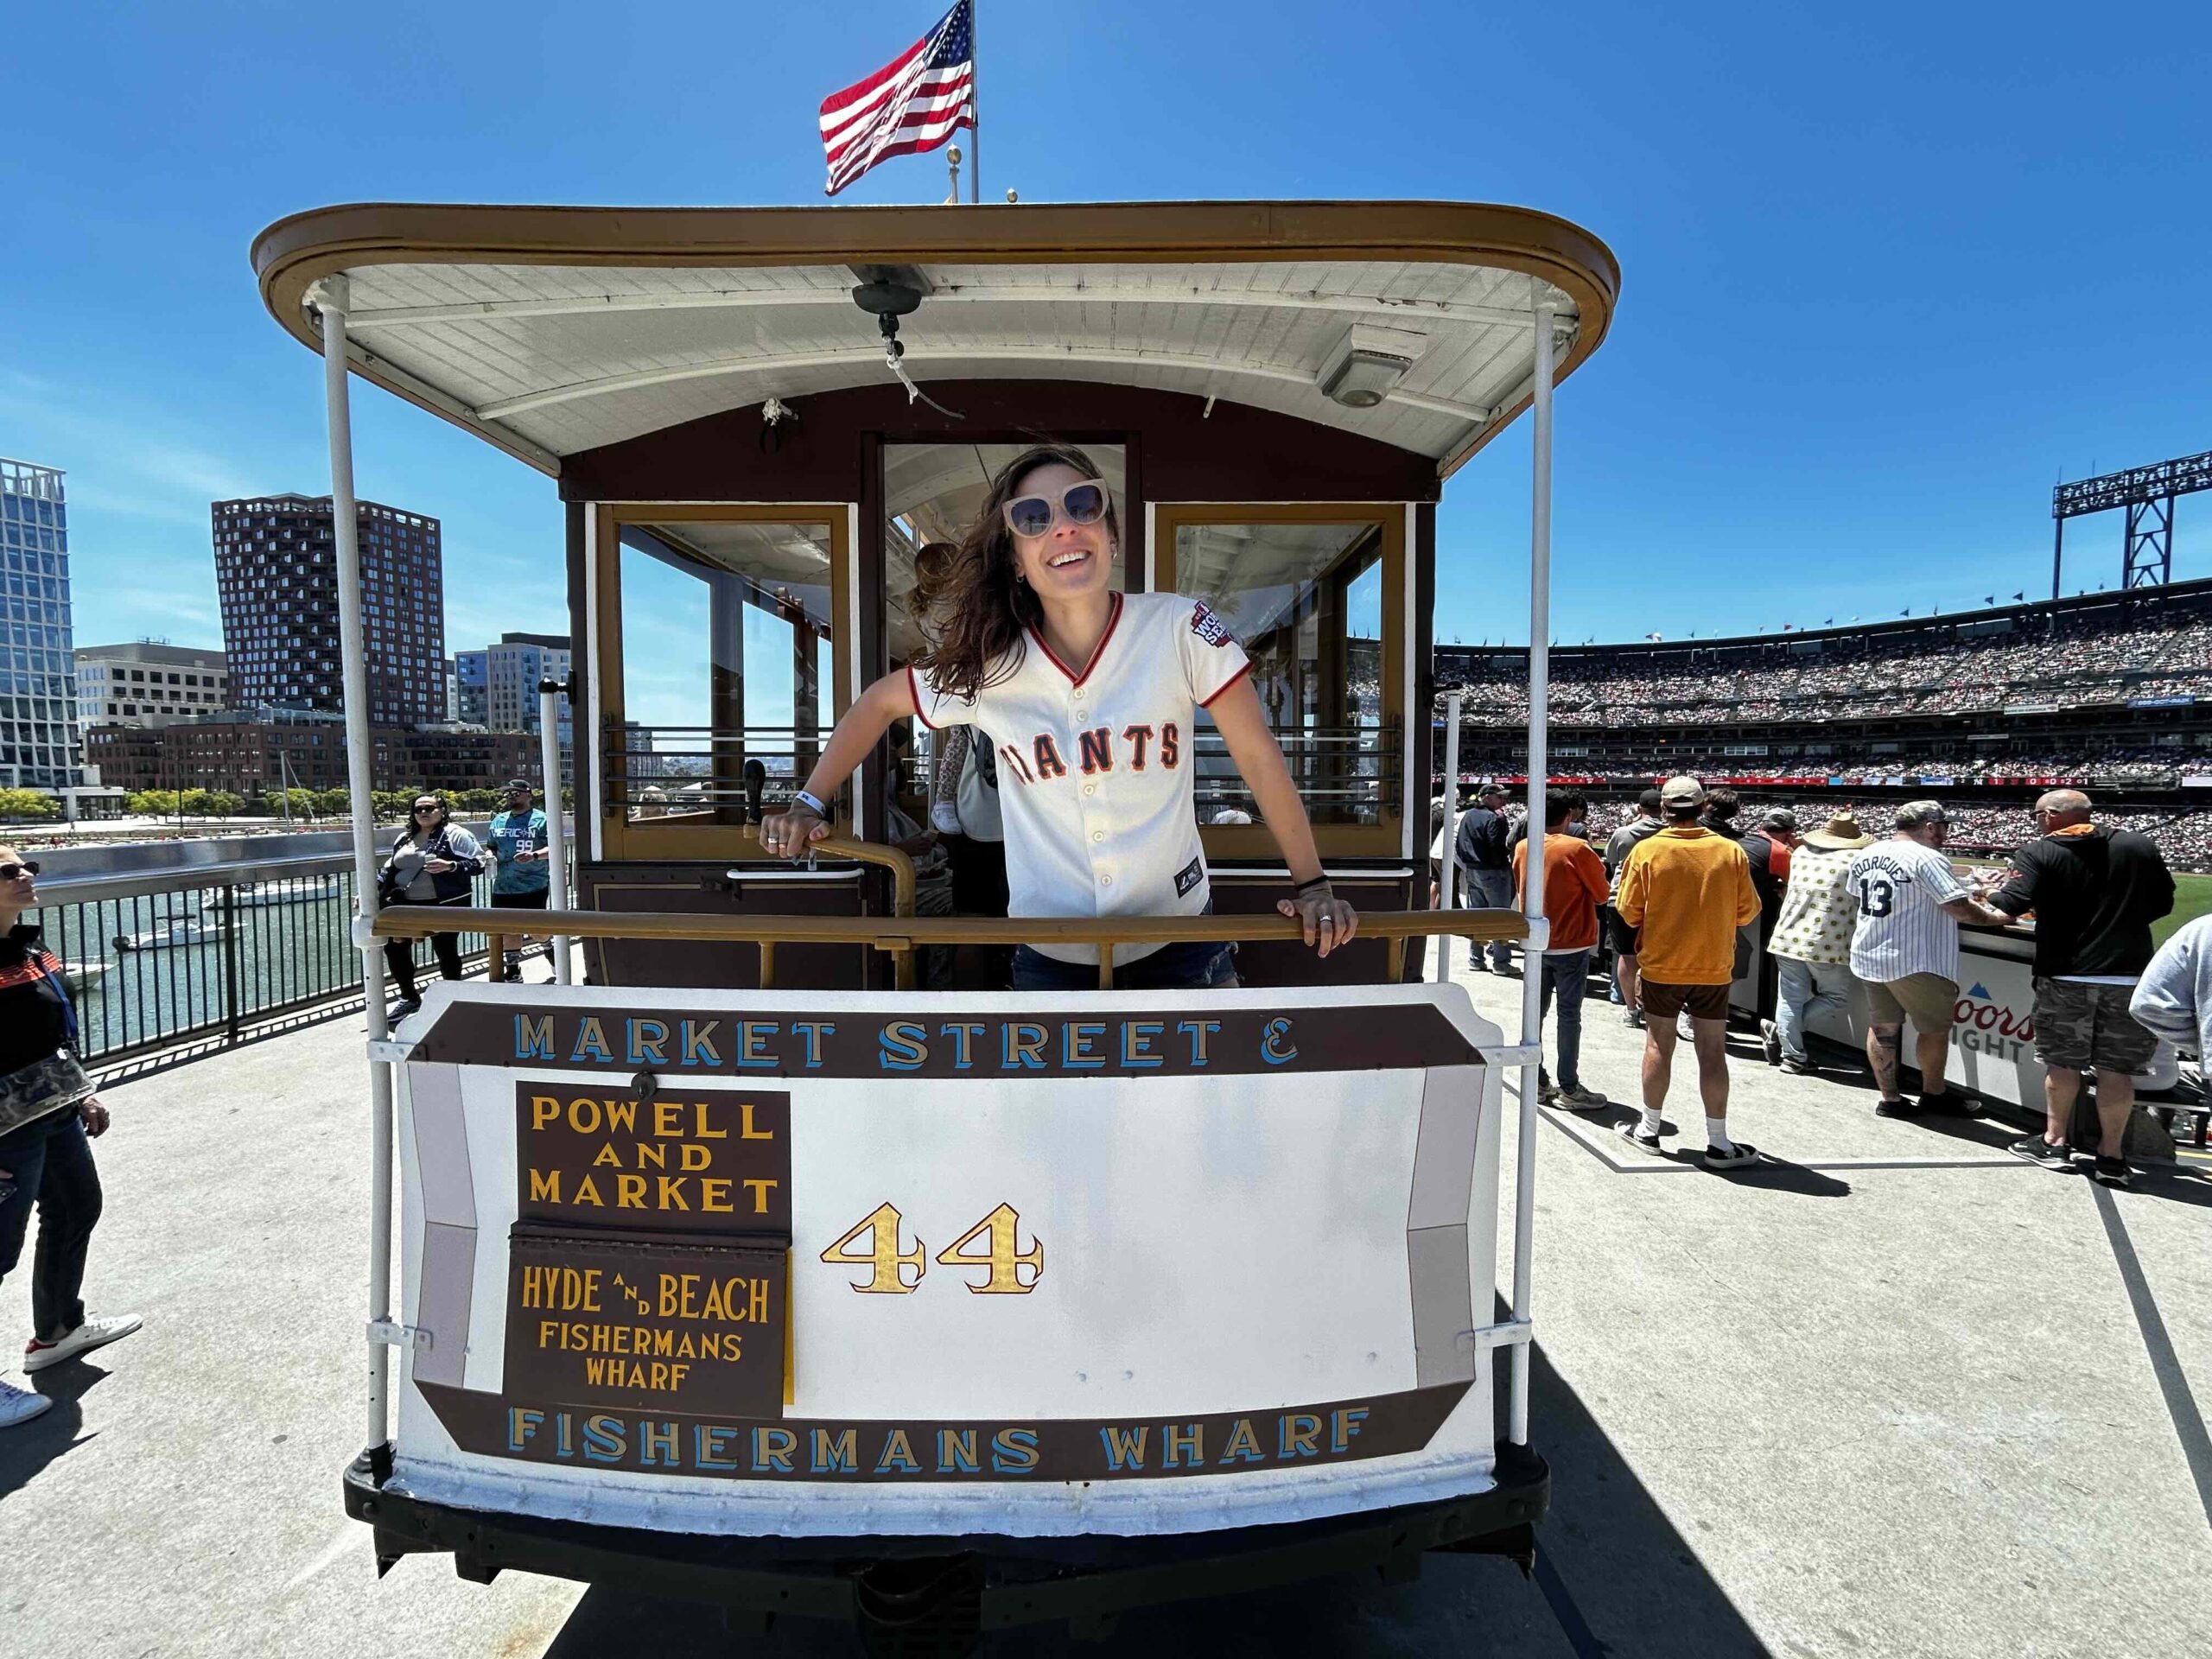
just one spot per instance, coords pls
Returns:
(47, 1161)
(1484, 853)
(2095, 893)
(434, 861)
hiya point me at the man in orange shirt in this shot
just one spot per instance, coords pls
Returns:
(1689, 890)
(1575, 886)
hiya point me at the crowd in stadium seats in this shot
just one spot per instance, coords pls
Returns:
(2150, 767)
(2184, 834)
(2074, 662)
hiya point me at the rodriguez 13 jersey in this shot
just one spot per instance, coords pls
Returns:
(1095, 765)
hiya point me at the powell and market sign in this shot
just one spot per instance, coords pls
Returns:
(690, 1043)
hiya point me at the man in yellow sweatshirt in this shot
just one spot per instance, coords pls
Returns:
(1688, 890)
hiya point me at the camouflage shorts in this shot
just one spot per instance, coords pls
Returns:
(2088, 1026)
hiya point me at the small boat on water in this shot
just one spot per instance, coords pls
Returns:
(83, 975)
(183, 931)
(286, 890)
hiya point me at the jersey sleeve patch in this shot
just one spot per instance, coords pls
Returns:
(1209, 628)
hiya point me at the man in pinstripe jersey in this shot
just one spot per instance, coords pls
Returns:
(1906, 947)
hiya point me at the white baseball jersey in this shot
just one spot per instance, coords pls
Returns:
(1902, 888)
(1095, 765)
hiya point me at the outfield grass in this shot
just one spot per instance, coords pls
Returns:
(2192, 898)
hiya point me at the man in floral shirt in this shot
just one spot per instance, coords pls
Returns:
(1811, 944)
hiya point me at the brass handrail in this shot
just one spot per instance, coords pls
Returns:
(899, 934)
(861, 851)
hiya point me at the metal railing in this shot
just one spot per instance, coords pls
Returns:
(209, 951)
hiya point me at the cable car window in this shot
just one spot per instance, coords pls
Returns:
(1307, 600)
(726, 664)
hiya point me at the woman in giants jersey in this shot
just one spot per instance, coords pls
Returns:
(1089, 698)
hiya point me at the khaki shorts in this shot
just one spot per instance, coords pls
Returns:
(1929, 999)
(1662, 1002)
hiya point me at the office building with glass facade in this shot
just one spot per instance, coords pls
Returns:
(38, 687)
(499, 684)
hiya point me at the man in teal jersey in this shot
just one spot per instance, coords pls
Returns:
(517, 839)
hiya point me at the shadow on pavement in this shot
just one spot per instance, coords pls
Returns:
(1614, 1577)
(28, 1447)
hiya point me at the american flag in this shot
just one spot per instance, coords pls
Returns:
(915, 102)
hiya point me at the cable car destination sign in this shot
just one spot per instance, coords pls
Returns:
(848, 1236)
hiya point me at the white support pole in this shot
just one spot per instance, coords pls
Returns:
(556, 829)
(1532, 960)
(330, 298)
(1447, 868)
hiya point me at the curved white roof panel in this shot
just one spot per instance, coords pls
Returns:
(552, 331)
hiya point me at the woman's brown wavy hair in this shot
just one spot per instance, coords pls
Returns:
(979, 611)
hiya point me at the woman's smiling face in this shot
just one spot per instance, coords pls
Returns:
(1069, 560)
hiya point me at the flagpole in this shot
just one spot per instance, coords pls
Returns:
(975, 108)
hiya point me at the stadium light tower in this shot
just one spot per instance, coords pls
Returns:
(2147, 492)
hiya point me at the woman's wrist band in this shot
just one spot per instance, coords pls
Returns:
(813, 804)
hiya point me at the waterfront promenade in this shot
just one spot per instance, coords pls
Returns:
(1900, 1395)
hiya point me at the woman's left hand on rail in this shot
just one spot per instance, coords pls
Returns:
(788, 835)
(1327, 919)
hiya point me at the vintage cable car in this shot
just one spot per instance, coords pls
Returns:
(751, 1270)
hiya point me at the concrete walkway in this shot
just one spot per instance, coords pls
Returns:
(1894, 1394)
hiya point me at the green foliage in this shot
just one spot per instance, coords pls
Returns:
(478, 800)
(224, 804)
(331, 803)
(302, 803)
(28, 806)
(152, 803)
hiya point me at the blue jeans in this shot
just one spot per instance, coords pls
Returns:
(1488, 890)
(49, 1163)
(1802, 988)
(1193, 965)
(1567, 973)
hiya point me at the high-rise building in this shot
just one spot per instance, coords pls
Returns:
(471, 702)
(499, 684)
(277, 570)
(38, 693)
(148, 684)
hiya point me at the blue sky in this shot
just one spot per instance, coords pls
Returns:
(1889, 271)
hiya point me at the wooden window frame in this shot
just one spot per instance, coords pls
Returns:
(1256, 843)
(622, 838)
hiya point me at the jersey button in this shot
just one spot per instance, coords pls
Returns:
(1105, 881)
(1090, 789)
(1098, 835)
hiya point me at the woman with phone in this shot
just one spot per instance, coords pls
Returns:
(433, 862)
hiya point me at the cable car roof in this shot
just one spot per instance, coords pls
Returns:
(550, 331)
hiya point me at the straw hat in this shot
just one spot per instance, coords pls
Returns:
(1842, 834)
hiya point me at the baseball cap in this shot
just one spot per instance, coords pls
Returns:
(1681, 791)
(1913, 814)
(522, 783)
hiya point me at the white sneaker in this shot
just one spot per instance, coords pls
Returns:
(19, 1405)
(94, 1332)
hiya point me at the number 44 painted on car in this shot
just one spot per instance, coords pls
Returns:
(1000, 1257)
